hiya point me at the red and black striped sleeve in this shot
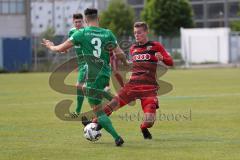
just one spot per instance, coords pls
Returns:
(167, 59)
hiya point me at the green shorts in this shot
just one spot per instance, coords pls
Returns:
(82, 73)
(95, 90)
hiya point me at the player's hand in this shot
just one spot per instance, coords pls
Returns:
(159, 56)
(126, 63)
(48, 44)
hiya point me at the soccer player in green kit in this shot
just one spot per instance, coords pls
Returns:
(96, 43)
(82, 66)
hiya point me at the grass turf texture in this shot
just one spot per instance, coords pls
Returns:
(30, 130)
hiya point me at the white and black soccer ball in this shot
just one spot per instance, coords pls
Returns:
(90, 132)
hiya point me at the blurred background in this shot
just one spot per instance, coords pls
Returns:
(197, 33)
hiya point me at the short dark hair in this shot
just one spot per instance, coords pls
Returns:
(77, 16)
(141, 24)
(91, 13)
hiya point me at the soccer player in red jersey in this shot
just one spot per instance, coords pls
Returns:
(142, 84)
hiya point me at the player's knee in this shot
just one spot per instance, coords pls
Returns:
(149, 124)
(149, 119)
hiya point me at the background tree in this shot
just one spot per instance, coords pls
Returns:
(166, 17)
(49, 33)
(118, 17)
(235, 25)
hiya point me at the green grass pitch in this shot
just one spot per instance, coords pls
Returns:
(202, 121)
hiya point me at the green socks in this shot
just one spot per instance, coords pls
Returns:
(106, 123)
(80, 98)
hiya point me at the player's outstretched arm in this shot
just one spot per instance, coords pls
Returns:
(58, 48)
(120, 55)
(164, 56)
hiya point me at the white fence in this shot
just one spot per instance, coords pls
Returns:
(235, 47)
(205, 45)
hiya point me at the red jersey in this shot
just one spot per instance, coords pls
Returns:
(145, 62)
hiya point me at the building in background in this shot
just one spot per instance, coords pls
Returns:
(215, 13)
(58, 13)
(207, 13)
(15, 32)
(138, 6)
(15, 18)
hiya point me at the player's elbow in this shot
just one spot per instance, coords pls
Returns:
(60, 49)
(64, 46)
(169, 62)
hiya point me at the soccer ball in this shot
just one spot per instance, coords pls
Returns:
(90, 132)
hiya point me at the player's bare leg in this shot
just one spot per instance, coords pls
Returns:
(114, 65)
(112, 106)
(118, 77)
(108, 109)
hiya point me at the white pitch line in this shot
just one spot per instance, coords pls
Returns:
(201, 96)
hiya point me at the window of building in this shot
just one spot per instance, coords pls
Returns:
(68, 25)
(20, 6)
(136, 2)
(138, 13)
(12, 6)
(233, 9)
(40, 26)
(5, 7)
(198, 11)
(215, 24)
(215, 10)
(199, 25)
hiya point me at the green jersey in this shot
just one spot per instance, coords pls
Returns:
(78, 49)
(96, 44)
(72, 30)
